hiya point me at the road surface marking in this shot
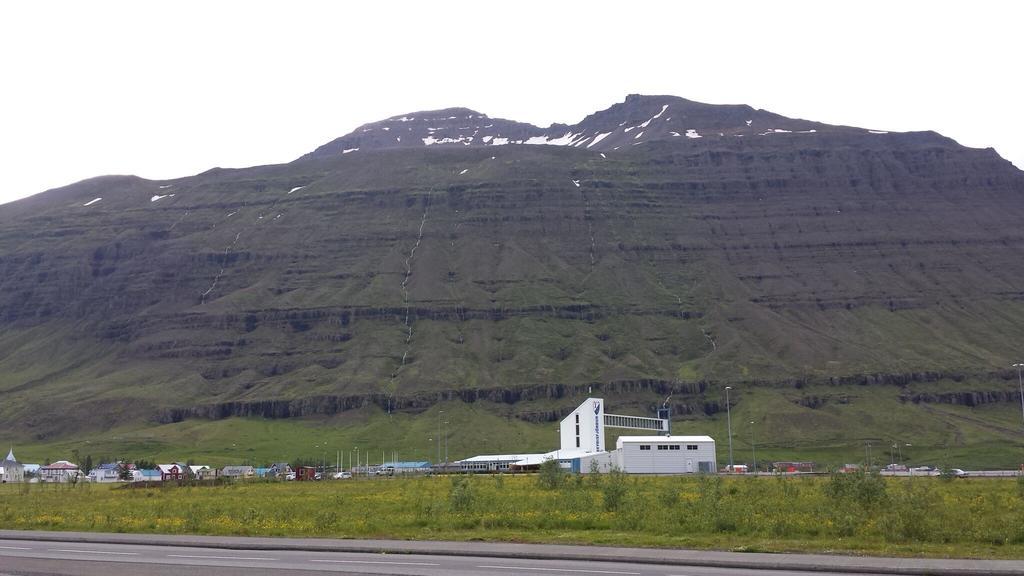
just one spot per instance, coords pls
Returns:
(377, 562)
(219, 557)
(14, 548)
(96, 552)
(558, 570)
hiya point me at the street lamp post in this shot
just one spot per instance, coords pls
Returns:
(439, 414)
(753, 446)
(728, 417)
(1020, 386)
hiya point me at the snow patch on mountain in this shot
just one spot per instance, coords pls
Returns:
(598, 138)
(564, 140)
(655, 117)
(430, 140)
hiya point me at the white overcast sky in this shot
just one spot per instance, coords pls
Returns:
(169, 89)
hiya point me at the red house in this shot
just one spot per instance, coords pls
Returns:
(170, 472)
(305, 473)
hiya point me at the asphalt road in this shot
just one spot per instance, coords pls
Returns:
(26, 557)
(38, 553)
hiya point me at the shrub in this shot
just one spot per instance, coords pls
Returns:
(460, 495)
(866, 489)
(615, 490)
(551, 476)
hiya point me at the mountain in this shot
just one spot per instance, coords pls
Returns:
(850, 285)
(638, 120)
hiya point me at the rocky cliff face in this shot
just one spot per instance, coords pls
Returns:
(433, 256)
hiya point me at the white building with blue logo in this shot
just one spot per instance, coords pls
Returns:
(582, 447)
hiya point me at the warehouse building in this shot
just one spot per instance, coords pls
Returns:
(666, 454)
(582, 436)
(492, 462)
(393, 468)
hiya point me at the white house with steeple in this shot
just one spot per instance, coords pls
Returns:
(11, 470)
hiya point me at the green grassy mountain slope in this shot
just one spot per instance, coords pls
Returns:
(851, 286)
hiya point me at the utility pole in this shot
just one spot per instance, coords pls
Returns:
(439, 414)
(728, 416)
(753, 446)
(1020, 387)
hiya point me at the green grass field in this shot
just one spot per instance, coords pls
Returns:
(853, 514)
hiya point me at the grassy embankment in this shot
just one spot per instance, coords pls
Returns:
(981, 518)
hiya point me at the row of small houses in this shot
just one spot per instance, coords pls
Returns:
(63, 471)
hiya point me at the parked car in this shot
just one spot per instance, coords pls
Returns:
(958, 473)
(342, 475)
(290, 476)
(735, 469)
